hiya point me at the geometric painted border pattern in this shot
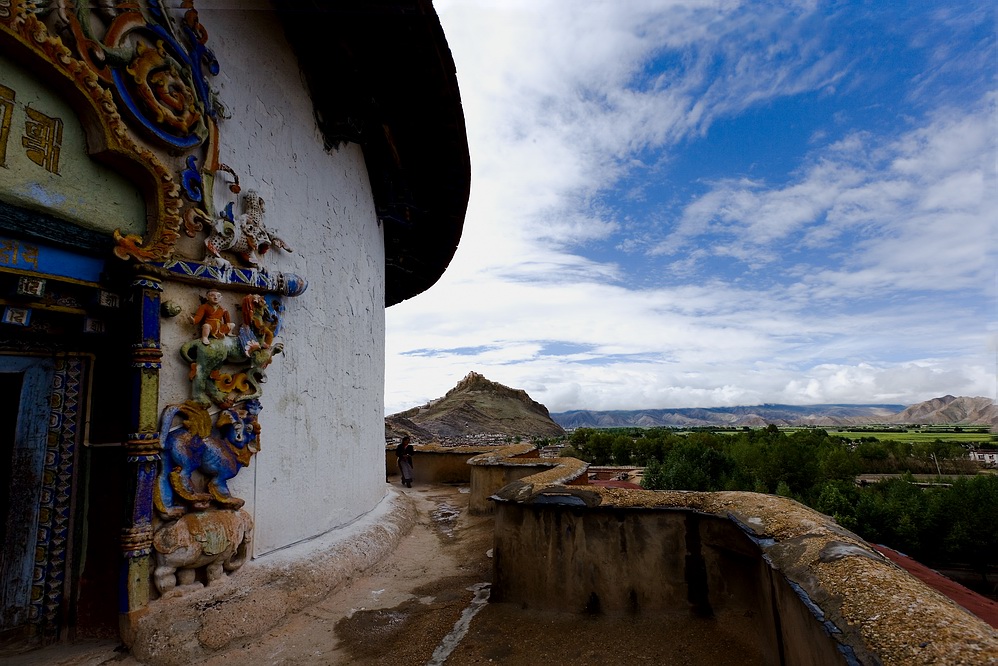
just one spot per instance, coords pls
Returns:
(288, 284)
(54, 516)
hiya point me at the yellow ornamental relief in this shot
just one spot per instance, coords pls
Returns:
(136, 78)
(166, 94)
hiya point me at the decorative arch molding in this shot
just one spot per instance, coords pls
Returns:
(136, 77)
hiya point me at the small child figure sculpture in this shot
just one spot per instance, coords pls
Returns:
(213, 318)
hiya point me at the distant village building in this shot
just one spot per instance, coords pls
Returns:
(205, 208)
(989, 458)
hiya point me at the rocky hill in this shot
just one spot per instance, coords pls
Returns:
(948, 410)
(475, 406)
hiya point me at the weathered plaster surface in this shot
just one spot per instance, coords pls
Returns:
(320, 464)
(70, 193)
(756, 550)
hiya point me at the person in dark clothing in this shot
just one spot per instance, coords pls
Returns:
(404, 453)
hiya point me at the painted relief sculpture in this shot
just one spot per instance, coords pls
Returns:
(205, 525)
(235, 244)
(249, 352)
(259, 319)
(212, 318)
(216, 451)
(140, 75)
(220, 541)
(246, 236)
(137, 76)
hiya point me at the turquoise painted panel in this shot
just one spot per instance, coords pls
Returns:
(46, 260)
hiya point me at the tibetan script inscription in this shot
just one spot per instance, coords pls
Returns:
(6, 113)
(42, 138)
(18, 255)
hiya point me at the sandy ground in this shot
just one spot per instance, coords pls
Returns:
(396, 612)
(399, 611)
(426, 604)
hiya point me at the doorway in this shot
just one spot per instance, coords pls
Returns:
(41, 421)
(26, 384)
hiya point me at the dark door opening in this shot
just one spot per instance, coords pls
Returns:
(27, 383)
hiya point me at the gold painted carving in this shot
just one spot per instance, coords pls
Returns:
(165, 91)
(42, 139)
(80, 75)
(6, 113)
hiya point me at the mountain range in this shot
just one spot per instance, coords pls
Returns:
(477, 406)
(947, 409)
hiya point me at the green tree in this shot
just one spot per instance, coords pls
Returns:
(690, 465)
(838, 463)
(964, 522)
(653, 478)
(838, 500)
(621, 450)
(600, 448)
(896, 512)
(647, 449)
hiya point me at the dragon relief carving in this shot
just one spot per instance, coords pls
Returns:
(246, 236)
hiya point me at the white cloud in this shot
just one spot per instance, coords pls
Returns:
(561, 100)
(923, 205)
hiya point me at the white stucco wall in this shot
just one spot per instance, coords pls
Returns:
(322, 458)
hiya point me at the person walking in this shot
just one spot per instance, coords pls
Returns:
(404, 453)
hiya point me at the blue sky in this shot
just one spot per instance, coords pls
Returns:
(697, 204)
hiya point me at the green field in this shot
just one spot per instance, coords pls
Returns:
(918, 435)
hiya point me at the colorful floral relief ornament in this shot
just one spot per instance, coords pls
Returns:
(167, 95)
(155, 58)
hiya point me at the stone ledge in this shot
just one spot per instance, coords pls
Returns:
(265, 591)
(874, 609)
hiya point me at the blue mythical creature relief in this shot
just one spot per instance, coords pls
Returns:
(216, 451)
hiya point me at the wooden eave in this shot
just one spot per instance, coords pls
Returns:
(381, 74)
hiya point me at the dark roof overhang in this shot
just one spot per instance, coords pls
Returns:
(381, 75)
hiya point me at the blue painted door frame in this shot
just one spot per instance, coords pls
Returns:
(26, 463)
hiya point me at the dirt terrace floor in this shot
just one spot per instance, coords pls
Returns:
(426, 603)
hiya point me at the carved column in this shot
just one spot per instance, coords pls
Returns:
(142, 451)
